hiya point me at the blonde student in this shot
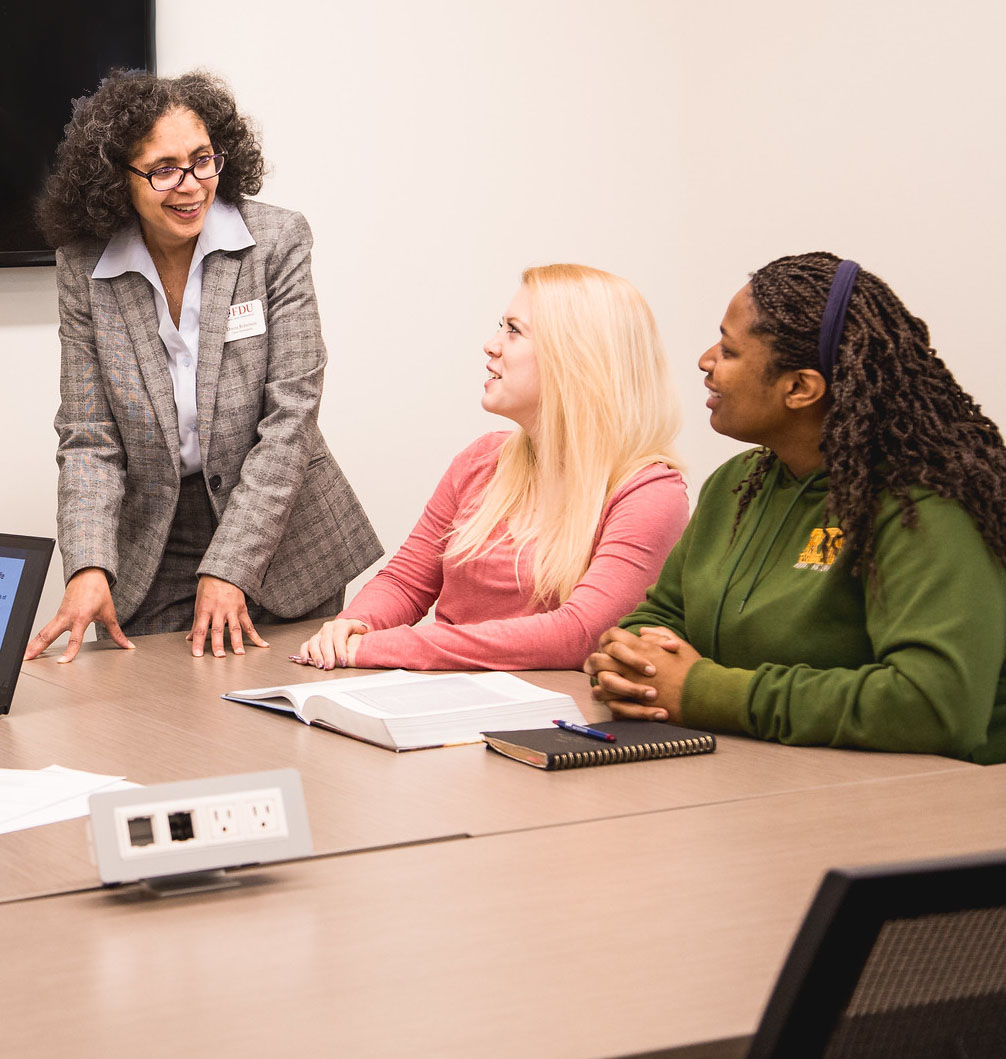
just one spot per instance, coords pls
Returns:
(536, 540)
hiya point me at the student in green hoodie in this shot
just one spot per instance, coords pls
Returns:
(844, 583)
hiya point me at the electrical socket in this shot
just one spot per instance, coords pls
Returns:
(199, 825)
(222, 821)
(264, 815)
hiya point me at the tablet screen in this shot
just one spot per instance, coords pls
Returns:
(24, 562)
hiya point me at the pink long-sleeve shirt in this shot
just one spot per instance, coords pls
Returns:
(485, 617)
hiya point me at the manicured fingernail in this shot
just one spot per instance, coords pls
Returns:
(219, 653)
(237, 651)
(319, 665)
(131, 645)
(343, 661)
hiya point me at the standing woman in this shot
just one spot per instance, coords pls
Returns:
(195, 489)
(844, 583)
(536, 540)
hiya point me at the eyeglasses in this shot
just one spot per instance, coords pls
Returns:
(204, 168)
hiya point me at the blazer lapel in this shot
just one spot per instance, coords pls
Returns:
(136, 303)
(220, 277)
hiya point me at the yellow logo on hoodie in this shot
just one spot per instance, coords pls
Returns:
(821, 551)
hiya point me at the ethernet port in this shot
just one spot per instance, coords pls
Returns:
(180, 825)
(141, 830)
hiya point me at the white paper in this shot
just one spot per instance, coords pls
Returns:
(32, 797)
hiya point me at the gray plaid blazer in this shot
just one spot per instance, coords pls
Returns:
(291, 531)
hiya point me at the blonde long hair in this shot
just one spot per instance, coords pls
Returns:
(606, 409)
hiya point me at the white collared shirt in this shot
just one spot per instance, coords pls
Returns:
(223, 229)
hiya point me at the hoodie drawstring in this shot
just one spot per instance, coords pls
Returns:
(765, 554)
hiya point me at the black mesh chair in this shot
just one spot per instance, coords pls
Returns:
(904, 960)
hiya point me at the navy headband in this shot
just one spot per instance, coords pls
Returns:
(833, 321)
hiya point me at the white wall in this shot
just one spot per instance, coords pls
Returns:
(437, 149)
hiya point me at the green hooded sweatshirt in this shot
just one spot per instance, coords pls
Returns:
(796, 649)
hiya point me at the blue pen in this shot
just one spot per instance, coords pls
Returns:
(594, 733)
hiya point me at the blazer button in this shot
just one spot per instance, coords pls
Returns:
(215, 482)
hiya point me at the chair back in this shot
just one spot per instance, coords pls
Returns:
(896, 960)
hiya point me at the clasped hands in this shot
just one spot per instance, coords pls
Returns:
(641, 677)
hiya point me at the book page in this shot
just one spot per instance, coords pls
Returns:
(292, 698)
(425, 696)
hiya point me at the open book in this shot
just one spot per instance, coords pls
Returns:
(406, 711)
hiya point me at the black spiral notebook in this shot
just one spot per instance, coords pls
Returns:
(554, 748)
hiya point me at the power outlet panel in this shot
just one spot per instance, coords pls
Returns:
(199, 825)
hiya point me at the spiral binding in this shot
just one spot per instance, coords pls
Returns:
(616, 755)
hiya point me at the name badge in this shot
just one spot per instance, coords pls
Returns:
(244, 320)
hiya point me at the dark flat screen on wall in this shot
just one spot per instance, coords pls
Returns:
(52, 52)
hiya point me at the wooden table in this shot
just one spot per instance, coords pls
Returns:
(155, 714)
(662, 930)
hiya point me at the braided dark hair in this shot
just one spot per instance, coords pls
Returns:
(897, 418)
(88, 190)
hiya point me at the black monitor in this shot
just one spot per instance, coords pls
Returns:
(50, 54)
(24, 562)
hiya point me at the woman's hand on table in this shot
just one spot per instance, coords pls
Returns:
(333, 645)
(87, 598)
(221, 606)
